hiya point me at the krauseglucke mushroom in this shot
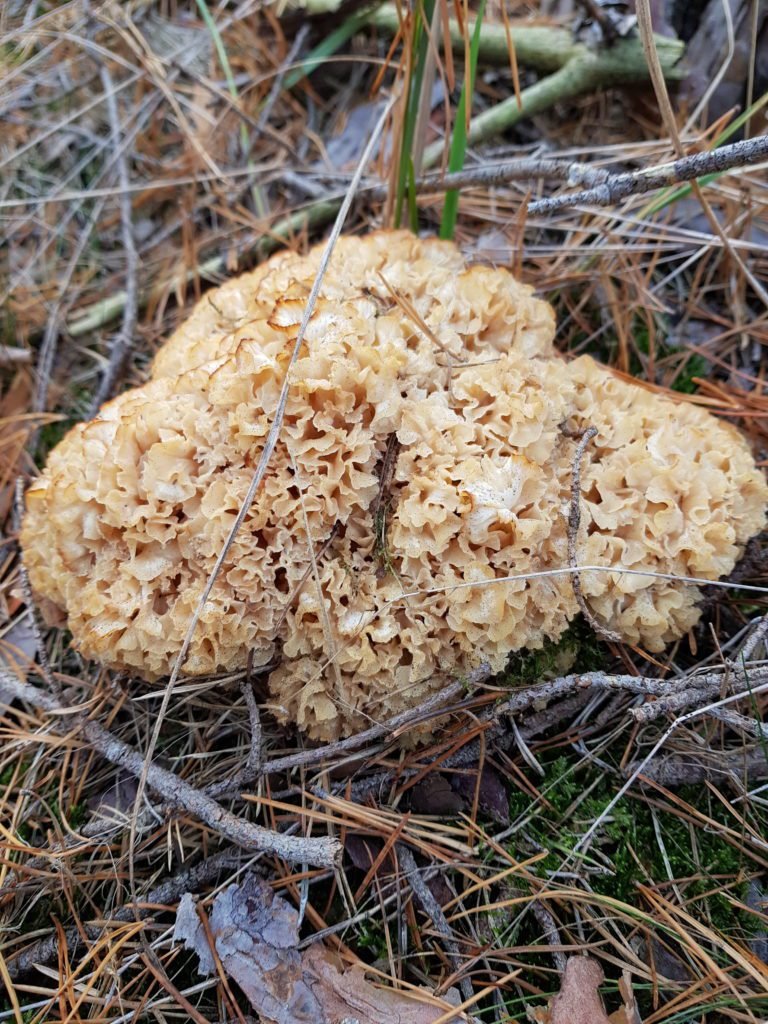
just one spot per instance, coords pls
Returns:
(425, 454)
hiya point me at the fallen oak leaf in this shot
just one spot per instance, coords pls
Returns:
(255, 932)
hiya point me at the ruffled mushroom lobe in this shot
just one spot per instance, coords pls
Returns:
(377, 576)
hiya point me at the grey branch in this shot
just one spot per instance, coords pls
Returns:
(252, 768)
(619, 186)
(693, 689)
(682, 770)
(321, 852)
(489, 175)
(438, 703)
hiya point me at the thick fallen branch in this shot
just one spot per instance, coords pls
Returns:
(703, 766)
(321, 852)
(544, 48)
(572, 69)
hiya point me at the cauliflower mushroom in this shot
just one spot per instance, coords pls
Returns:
(423, 468)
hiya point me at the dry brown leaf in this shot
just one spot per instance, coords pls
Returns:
(256, 934)
(579, 1002)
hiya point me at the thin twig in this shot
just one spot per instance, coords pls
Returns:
(322, 851)
(574, 520)
(95, 833)
(755, 638)
(437, 704)
(10, 355)
(277, 84)
(46, 951)
(121, 344)
(252, 769)
(551, 934)
(740, 723)
(524, 169)
(602, 18)
(672, 703)
(435, 911)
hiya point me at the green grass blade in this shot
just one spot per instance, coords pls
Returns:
(221, 53)
(419, 44)
(459, 141)
(226, 67)
(333, 42)
(413, 206)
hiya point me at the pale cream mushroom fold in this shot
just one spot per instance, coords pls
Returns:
(431, 423)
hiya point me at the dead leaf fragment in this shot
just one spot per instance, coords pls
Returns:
(629, 1012)
(578, 1001)
(256, 934)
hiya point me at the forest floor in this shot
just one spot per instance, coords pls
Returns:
(150, 149)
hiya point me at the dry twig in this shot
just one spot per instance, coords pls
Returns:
(48, 950)
(252, 767)
(701, 766)
(323, 851)
(435, 911)
(618, 187)
(438, 703)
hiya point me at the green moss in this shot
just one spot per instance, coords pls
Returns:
(370, 936)
(7, 775)
(706, 867)
(604, 347)
(49, 436)
(696, 366)
(77, 814)
(577, 650)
